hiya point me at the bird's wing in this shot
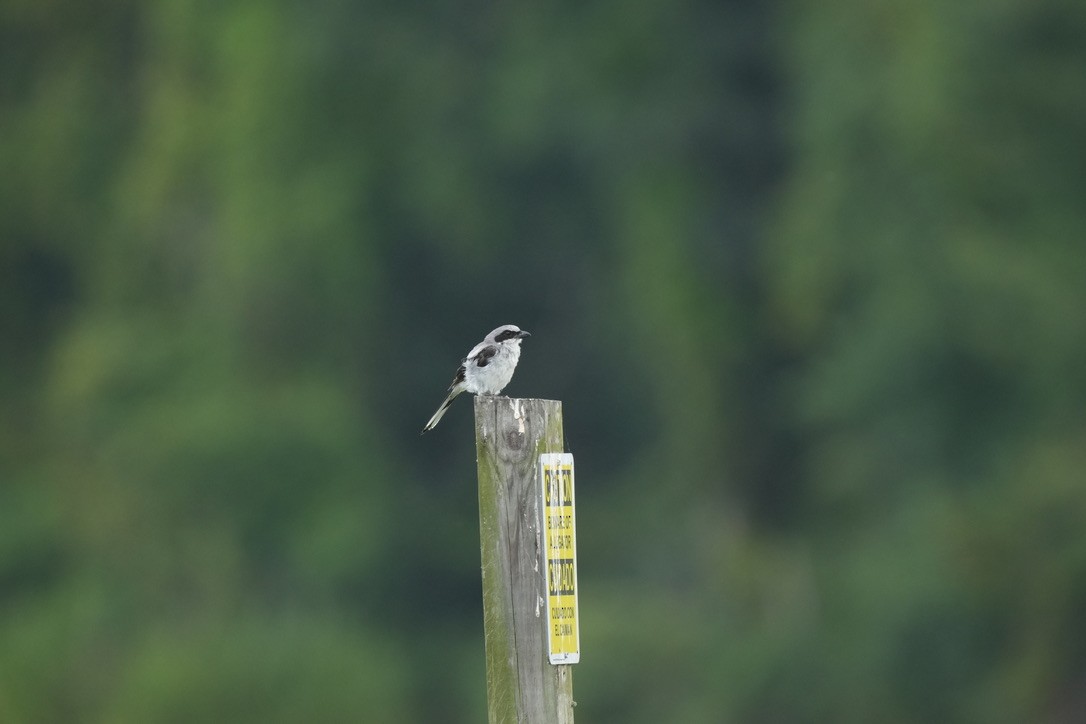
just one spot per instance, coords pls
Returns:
(458, 378)
(482, 355)
(477, 349)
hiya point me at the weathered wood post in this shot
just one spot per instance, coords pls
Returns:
(521, 685)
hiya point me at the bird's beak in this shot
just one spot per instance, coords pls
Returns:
(522, 334)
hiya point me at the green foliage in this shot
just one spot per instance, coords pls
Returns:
(807, 277)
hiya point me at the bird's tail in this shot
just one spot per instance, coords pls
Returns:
(441, 410)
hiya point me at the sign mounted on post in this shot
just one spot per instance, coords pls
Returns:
(560, 557)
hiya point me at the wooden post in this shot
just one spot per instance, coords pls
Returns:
(521, 685)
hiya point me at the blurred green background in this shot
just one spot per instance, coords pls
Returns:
(810, 279)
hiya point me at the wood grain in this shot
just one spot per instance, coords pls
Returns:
(522, 686)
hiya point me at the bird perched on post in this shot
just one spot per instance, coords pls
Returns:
(487, 369)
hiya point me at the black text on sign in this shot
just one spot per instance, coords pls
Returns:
(560, 553)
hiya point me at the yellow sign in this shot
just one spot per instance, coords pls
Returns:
(560, 557)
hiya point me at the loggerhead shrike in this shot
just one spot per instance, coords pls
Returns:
(487, 369)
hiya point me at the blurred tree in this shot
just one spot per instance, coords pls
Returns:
(808, 278)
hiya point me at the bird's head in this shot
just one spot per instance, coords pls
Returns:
(508, 333)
